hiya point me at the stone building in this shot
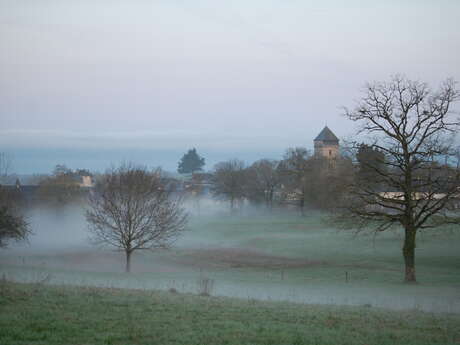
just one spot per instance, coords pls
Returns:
(326, 144)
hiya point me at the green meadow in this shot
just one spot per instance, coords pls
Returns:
(275, 257)
(55, 315)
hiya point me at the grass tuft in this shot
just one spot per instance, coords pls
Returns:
(75, 315)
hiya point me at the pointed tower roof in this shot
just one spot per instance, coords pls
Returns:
(326, 135)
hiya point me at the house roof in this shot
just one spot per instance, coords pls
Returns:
(326, 135)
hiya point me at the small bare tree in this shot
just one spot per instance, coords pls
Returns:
(411, 181)
(132, 209)
(13, 225)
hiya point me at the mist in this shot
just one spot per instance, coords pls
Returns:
(251, 253)
(91, 79)
(167, 167)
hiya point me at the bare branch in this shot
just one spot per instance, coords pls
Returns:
(133, 209)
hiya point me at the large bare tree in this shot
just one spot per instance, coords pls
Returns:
(414, 181)
(133, 209)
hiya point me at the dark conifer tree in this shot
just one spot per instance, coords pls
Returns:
(190, 162)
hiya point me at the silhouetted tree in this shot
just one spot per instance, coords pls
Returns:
(262, 179)
(195, 188)
(190, 162)
(61, 169)
(370, 162)
(60, 188)
(228, 181)
(13, 226)
(293, 169)
(133, 209)
(411, 125)
(83, 172)
(326, 181)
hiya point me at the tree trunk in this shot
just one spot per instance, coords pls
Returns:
(302, 205)
(270, 200)
(128, 261)
(198, 206)
(409, 255)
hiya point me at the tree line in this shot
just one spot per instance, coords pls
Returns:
(405, 174)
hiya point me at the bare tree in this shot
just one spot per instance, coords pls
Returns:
(411, 127)
(228, 181)
(195, 188)
(5, 165)
(294, 168)
(326, 181)
(132, 209)
(13, 226)
(263, 177)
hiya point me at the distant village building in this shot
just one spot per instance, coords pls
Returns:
(326, 144)
(86, 181)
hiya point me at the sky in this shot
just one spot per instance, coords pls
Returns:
(89, 83)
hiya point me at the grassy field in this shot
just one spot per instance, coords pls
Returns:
(280, 257)
(39, 314)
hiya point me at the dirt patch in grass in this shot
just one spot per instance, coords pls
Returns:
(299, 227)
(176, 261)
(244, 258)
(234, 257)
(370, 267)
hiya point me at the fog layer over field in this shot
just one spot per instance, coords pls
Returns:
(251, 254)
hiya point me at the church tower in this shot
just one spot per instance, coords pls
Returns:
(326, 144)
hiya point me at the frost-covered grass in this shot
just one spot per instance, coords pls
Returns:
(271, 257)
(309, 238)
(38, 314)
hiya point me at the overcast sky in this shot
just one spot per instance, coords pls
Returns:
(93, 81)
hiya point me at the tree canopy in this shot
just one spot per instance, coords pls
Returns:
(190, 162)
(229, 181)
(411, 127)
(13, 225)
(62, 187)
(132, 209)
(370, 161)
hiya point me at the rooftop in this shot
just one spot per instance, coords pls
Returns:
(326, 135)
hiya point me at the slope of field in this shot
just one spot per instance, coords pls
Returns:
(278, 256)
(37, 314)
